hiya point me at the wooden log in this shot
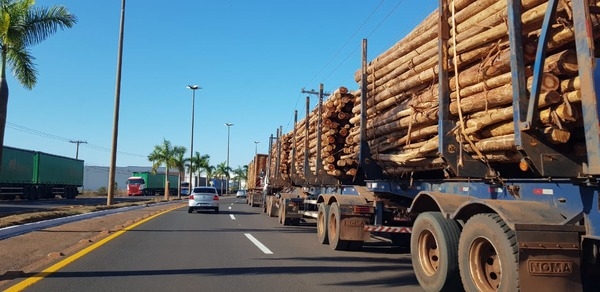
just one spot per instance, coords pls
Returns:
(572, 96)
(571, 84)
(497, 143)
(529, 17)
(429, 147)
(426, 30)
(501, 156)
(493, 98)
(421, 118)
(564, 113)
(561, 64)
(557, 136)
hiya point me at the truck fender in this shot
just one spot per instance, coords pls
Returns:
(328, 199)
(435, 201)
(288, 195)
(512, 212)
(463, 207)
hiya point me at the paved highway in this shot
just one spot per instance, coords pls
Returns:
(239, 249)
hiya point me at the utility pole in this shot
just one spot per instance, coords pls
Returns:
(317, 93)
(77, 142)
(115, 132)
(320, 94)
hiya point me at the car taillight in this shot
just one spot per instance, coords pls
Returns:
(216, 198)
(191, 197)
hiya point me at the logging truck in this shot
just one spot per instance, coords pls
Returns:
(256, 173)
(474, 140)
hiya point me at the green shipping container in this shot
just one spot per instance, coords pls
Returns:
(17, 166)
(54, 169)
(157, 180)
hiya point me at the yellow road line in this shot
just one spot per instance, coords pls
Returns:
(54, 268)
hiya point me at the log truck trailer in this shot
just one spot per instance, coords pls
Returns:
(472, 222)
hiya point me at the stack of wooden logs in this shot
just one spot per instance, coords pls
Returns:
(336, 127)
(402, 88)
(334, 121)
(279, 164)
(402, 104)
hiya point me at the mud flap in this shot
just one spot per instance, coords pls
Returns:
(549, 257)
(352, 228)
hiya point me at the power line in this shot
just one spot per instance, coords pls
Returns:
(63, 139)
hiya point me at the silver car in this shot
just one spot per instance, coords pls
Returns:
(203, 198)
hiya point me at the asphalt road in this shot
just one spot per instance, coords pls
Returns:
(239, 249)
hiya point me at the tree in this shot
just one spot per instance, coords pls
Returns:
(199, 163)
(210, 172)
(222, 171)
(179, 163)
(21, 26)
(240, 174)
(165, 154)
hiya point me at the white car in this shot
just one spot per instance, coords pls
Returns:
(240, 194)
(203, 198)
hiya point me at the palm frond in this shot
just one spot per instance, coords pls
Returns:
(42, 22)
(23, 66)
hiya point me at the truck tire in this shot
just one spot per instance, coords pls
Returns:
(333, 228)
(270, 207)
(322, 223)
(283, 219)
(434, 252)
(488, 255)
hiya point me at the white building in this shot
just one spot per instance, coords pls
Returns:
(95, 177)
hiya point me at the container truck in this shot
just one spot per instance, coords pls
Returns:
(34, 175)
(151, 184)
(474, 140)
(256, 173)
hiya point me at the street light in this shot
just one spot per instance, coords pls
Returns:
(228, 130)
(193, 88)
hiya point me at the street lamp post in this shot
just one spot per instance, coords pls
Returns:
(193, 88)
(228, 131)
(256, 147)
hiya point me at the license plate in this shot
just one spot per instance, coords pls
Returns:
(202, 204)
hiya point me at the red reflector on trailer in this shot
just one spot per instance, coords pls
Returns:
(362, 209)
(543, 191)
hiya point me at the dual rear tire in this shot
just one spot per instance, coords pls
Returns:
(481, 257)
(329, 218)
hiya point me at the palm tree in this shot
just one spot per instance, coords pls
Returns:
(222, 171)
(165, 154)
(210, 172)
(179, 163)
(199, 163)
(21, 26)
(240, 174)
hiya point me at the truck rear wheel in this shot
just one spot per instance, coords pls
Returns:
(434, 252)
(488, 255)
(270, 208)
(333, 229)
(322, 223)
(283, 219)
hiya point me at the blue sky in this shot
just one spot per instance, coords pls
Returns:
(251, 58)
